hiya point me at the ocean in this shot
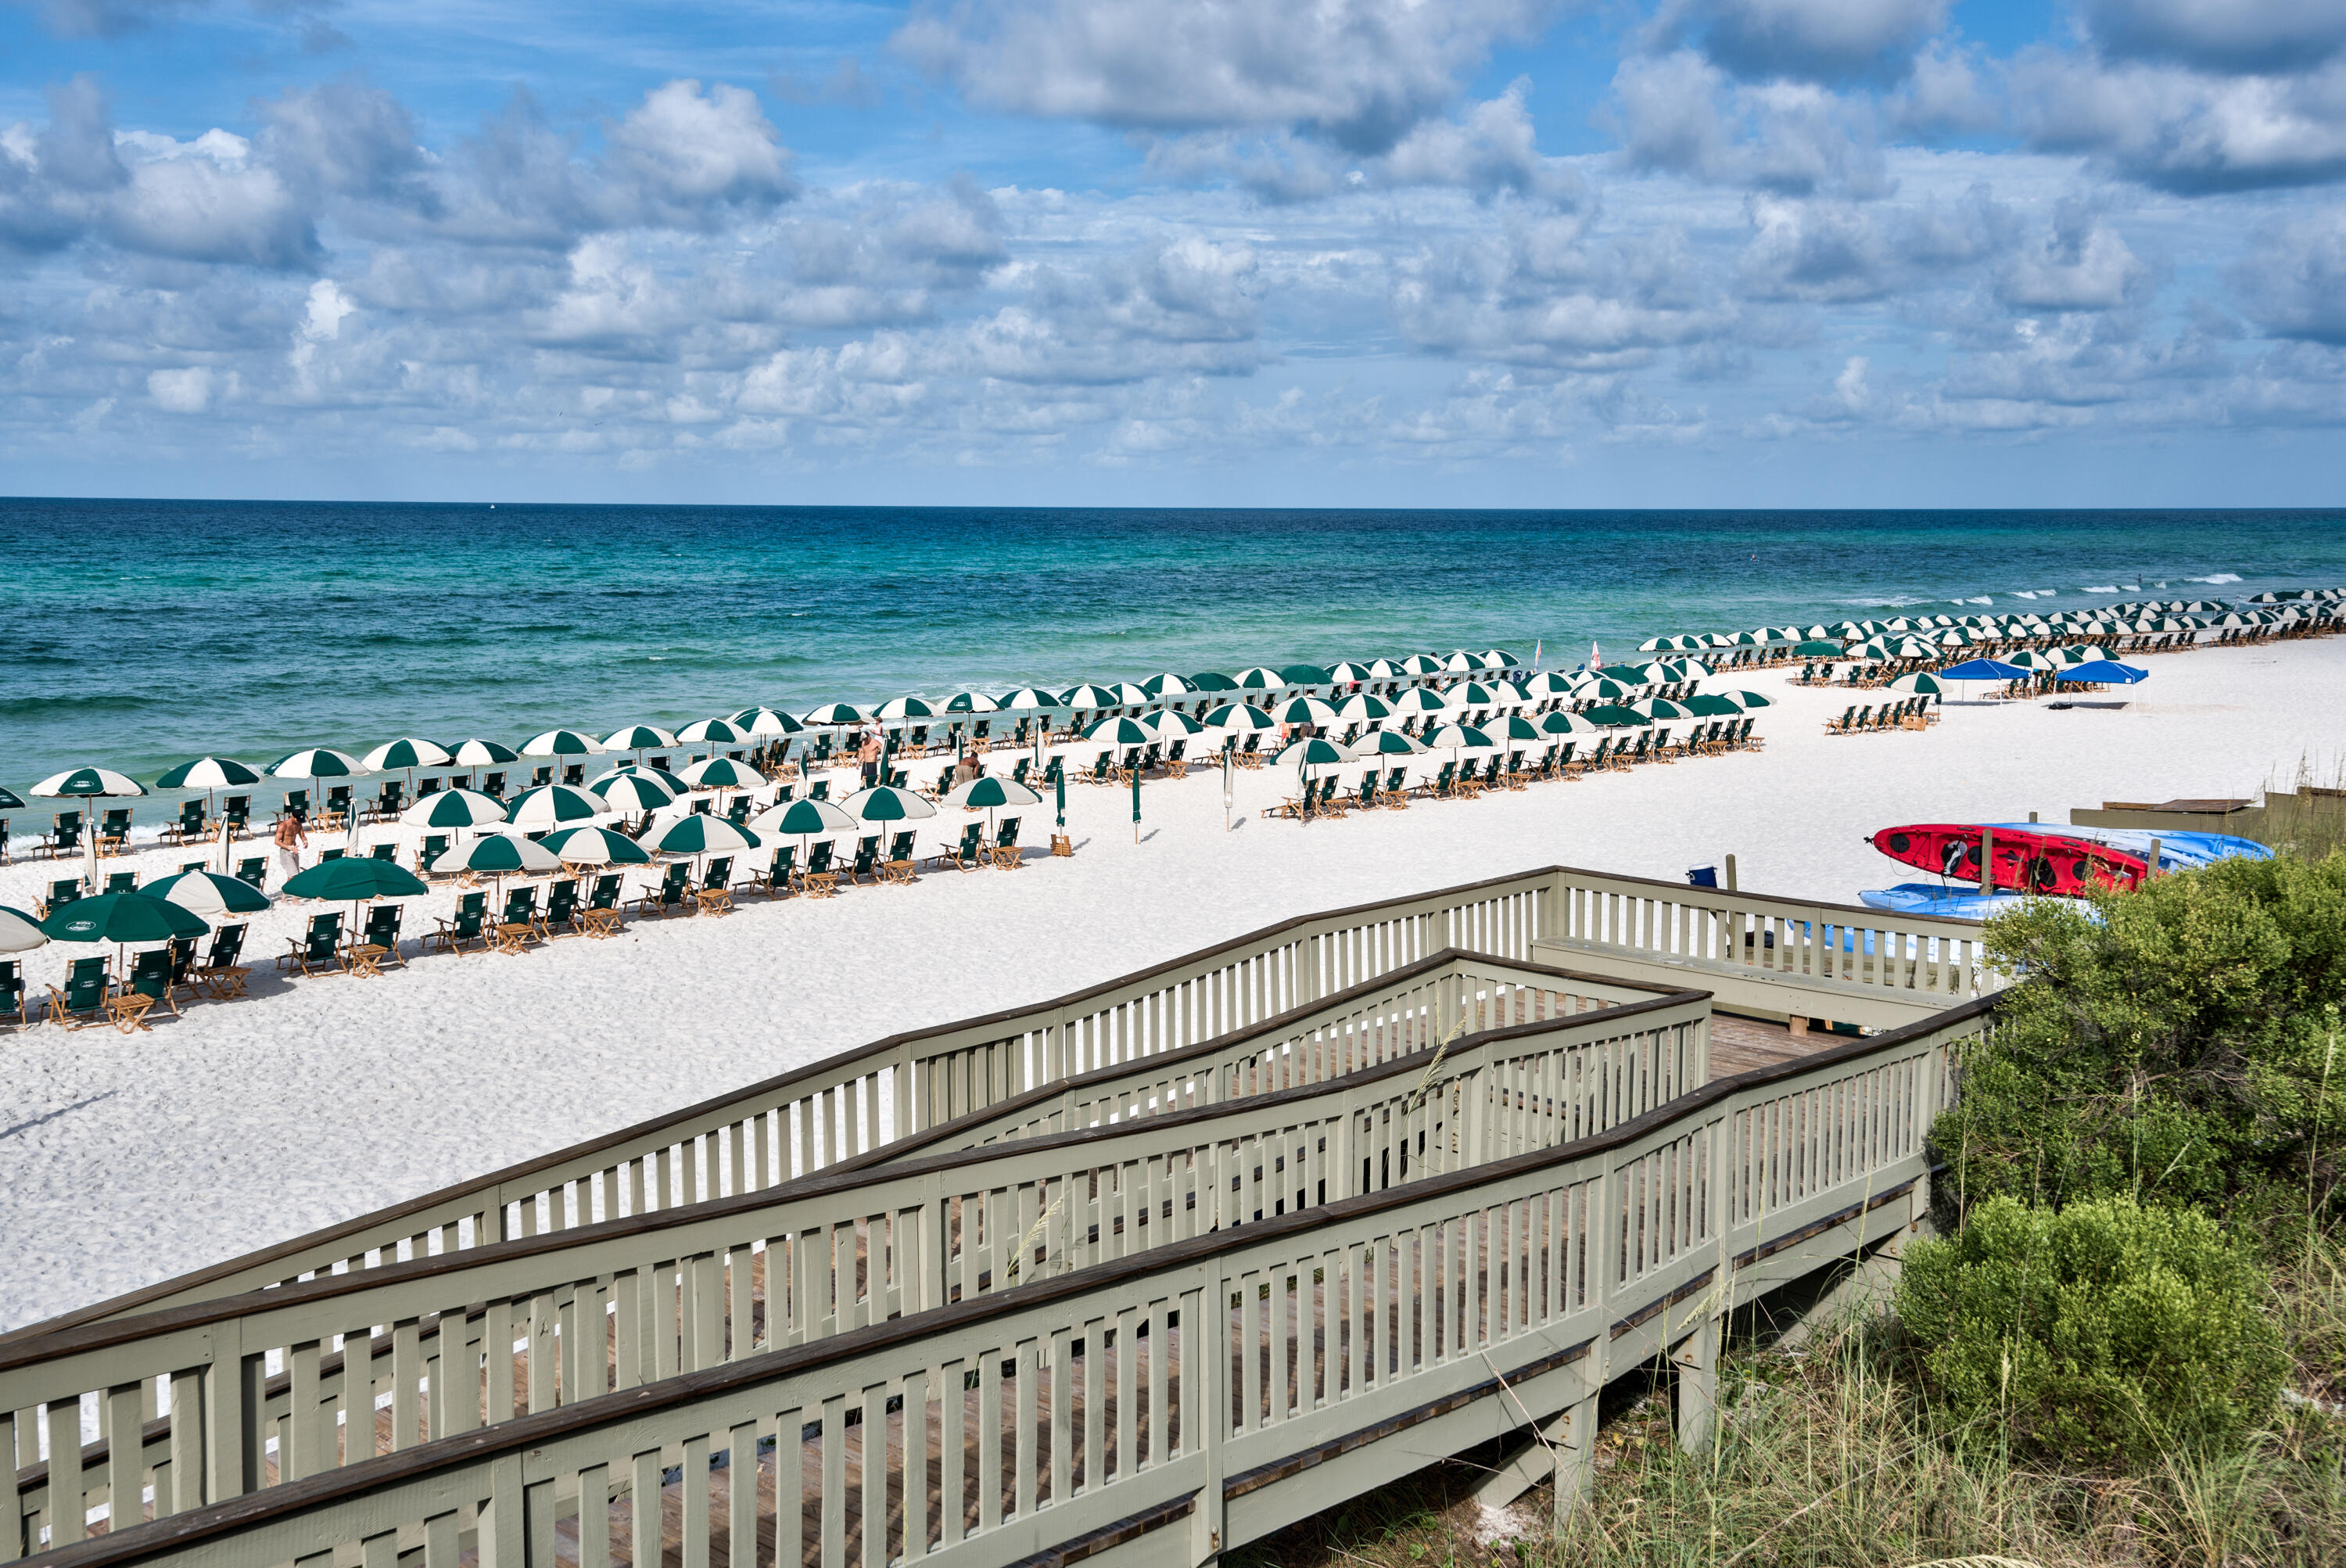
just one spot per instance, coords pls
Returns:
(142, 633)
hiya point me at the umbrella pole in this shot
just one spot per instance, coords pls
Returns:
(89, 852)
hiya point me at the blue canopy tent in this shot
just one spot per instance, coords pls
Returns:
(2101, 672)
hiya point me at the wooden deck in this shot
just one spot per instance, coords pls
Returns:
(1739, 1044)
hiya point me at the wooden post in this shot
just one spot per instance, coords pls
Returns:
(2152, 869)
(1730, 873)
(1695, 1391)
(1987, 861)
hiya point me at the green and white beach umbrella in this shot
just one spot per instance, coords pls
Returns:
(803, 820)
(209, 893)
(1027, 699)
(1548, 684)
(1561, 723)
(1128, 695)
(1388, 743)
(1473, 694)
(498, 855)
(10, 800)
(989, 792)
(972, 702)
(903, 707)
(317, 762)
(592, 846)
(835, 714)
(711, 732)
(765, 723)
(1748, 699)
(647, 791)
(1458, 736)
(87, 784)
(1658, 708)
(1602, 690)
(1241, 716)
(886, 803)
(1344, 672)
(1499, 658)
(701, 834)
(479, 753)
(1261, 678)
(1317, 751)
(1419, 699)
(550, 805)
(1306, 710)
(1171, 725)
(122, 918)
(1711, 705)
(1515, 727)
(1088, 696)
(1120, 732)
(405, 755)
(721, 773)
(1168, 684)
(1919, 681)
(562, 743)
(1386, 669)
(1212, 680)
(1360, 707)
(638, 738)
(454, 809)
(208, 774)
(19, 931)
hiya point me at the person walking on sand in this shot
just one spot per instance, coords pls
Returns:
(291, 840)
(868, 754)
(969, 768)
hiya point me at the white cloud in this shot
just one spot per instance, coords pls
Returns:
(185, 391)
(2292, 278)
(2261, 35)
(1358, 73)
(1805, 40)
(1680, 114)
(2188, 131)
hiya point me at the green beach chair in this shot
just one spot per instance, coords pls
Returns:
(561, 908)
(82, 1002)
(1004, 853)
(319, 948)
(962, 856)
(867, 856)
(669, 896)
(14, 1003)
(190, 824)
(122, 882)
(472, 914)
(253, 870)
(62, 891)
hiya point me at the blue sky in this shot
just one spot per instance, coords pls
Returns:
(1501, 252)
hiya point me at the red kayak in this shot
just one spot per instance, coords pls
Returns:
(2045, 863)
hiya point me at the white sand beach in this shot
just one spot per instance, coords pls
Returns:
(129, 1158)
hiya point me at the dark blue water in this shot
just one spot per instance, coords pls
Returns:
(141, 633)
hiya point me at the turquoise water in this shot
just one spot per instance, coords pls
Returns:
(142, 633)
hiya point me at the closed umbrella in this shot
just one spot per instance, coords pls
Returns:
(19, 931)
(87, 784)
(551, 804)
(209, 893)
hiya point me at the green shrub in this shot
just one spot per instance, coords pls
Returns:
(2176, 1044)
(2098, 1332)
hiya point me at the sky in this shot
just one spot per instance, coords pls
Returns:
(1209, 252)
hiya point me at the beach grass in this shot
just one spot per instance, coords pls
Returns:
(1829, 1457)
